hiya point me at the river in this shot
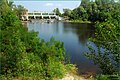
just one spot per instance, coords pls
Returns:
(75, 37)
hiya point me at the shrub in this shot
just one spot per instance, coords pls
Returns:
(25, 56)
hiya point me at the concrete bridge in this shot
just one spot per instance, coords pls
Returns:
(39, 15)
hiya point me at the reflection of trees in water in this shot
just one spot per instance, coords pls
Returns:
(83, 31)
(56, 28)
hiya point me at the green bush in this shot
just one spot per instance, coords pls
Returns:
(106, 77)
(101, 77)
(107, 32)
(24, 56)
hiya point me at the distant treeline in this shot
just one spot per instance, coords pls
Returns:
(93, 10)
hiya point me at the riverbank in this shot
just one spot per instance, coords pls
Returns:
(72, 21)
(77, 21)
(74, 77)
(72, 74)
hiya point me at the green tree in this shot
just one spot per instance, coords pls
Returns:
(107, 37)
(84, 3)
(10, 4)
(3, 6)
(25, 56)
(20, 10)
(57, 11)
(67, 12)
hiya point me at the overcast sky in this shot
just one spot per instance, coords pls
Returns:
(48, 6)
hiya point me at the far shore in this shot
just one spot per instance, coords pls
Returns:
(73, 21)
(77, 21)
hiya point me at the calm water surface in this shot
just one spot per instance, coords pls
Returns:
(75, 37)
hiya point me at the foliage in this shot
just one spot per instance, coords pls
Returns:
(20, 10)
(98, 10)
(3, 6)
(57, 11)
(106, 77)
(102, 77)
(23, 55)
(67, 12)
(107, 38)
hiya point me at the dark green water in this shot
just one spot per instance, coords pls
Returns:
(75, 37)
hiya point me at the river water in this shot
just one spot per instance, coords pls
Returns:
(75, 37)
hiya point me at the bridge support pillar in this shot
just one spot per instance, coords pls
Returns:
(27, 18)
(49, 17)
(42, 17)
(34, 17)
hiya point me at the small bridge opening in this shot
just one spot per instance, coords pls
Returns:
(31, 17)
(52, 17)
(46, 17)
(38, 17)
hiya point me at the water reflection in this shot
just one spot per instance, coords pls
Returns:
(83, 31)
(75, 37)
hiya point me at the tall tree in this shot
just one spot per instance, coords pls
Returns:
(20, 10)
(67, 12)
(57, 11)
(3, 6)
(84, 3)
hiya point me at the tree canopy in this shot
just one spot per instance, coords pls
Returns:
(98, 10)
(57, 11)
(23, 55)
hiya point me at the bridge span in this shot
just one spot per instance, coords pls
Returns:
(39, 15)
